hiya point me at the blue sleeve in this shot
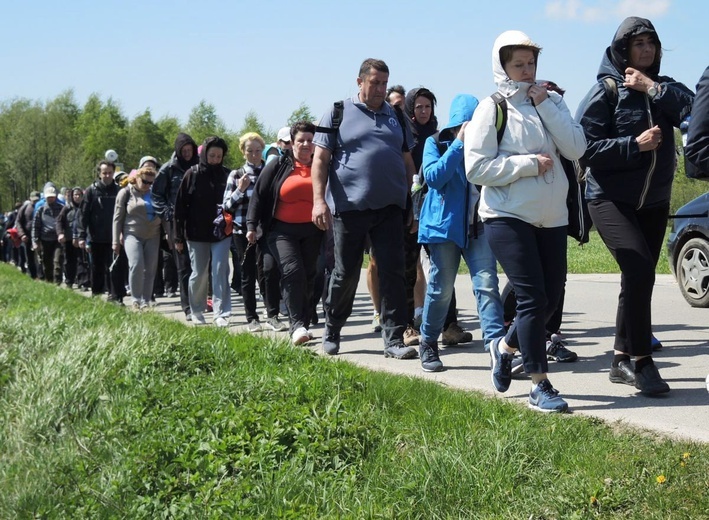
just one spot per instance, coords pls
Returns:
(439, 169)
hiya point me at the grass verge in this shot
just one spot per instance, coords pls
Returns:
(109, 414)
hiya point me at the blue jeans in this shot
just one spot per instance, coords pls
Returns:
(445, 259)
(200, 253)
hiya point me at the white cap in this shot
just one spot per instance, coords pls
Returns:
(284, 134)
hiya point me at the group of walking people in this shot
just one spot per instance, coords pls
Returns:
(494, 187)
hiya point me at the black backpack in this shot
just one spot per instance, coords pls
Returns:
(579, 218)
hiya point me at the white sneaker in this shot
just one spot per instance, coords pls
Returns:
(198, 318)
(300, 336)
(311, 335)
(221, 322)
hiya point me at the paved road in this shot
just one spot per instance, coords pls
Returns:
(588, 325)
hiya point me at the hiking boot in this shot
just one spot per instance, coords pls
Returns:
(453, 335)
(300, 336)
(411, 337)
(430, 362)
(399, 351)
(376, 324)
(649, 382)
(276, 324)
(135, 306)
(501, 366)
(623, 374)
(253, 326)
(331, 342)
(556, 350)
(545, 398)
(655, 343)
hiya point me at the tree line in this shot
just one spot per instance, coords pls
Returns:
(61, 141)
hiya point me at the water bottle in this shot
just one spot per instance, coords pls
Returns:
(416, 186)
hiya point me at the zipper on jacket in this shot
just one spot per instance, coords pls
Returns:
(651, 171)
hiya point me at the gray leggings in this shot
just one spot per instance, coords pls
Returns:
(142, 256)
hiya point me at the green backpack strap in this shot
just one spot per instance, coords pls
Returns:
(500, 115)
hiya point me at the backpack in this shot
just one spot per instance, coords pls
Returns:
(579, 218)
(338, 111)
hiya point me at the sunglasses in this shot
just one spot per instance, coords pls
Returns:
(147, 181)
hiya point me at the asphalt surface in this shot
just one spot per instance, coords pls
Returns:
(589, 324)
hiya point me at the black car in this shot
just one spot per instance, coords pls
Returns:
(688, 247)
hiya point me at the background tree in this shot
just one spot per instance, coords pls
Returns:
(144, 137)
(302, 113)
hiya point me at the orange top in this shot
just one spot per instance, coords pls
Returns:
(295, 199)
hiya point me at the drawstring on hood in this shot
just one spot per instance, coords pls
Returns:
(505, 85)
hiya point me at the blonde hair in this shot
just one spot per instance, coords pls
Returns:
(133, 178)
(250, 136)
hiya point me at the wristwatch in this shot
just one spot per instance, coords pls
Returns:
(654, 90)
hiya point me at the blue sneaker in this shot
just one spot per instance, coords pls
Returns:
(655, 343)
(544, 398)
(428, 352)
(501, 366)
(399, 351)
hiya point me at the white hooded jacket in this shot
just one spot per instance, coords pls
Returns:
(508, 173)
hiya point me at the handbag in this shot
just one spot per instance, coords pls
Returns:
(223, 224)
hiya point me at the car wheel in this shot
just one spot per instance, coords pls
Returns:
(693, 272)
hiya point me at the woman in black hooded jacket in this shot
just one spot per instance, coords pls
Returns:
(629, 118)
(196, 206)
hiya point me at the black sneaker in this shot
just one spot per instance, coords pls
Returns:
(331, 342)
(623, 374)
(501, 367)
(430, 362)
(649, 381)
(556, 350)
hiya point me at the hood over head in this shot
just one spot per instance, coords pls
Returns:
(617, 55)
(505, 85)
(181, 140)
(462, 108)
(208, 143)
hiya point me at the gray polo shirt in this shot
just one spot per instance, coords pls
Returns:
(367, 169)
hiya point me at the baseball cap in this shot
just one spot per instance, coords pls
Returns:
(50, 191)
(147, 158)
(35, 196)
(284, 134)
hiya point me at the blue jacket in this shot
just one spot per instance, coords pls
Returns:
(445, 214)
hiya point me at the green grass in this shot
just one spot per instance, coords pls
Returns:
(109, 414)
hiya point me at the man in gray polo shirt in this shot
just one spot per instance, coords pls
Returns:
(367, 168)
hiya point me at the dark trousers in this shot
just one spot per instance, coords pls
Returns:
(103, 277)
(296, 248)
(249, 257)
(534, 260)
(51, 256)
(634, 238)
(509, 302)
(169, 270)
(386, 231)
(30, 259)
(184, 271)
(235, 265)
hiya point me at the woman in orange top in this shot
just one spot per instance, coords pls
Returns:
(281, 207)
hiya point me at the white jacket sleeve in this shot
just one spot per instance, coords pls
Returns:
(485, 164)
(567, 134)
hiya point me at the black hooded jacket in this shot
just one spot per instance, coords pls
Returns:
(421, 132)
(697, 151)
(170, 176)
(618, 170)
(201, 191)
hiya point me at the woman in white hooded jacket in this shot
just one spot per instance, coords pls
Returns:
(523, 203)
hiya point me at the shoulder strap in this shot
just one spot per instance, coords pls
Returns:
(500, 115)
(611, 89)
(338, 110)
